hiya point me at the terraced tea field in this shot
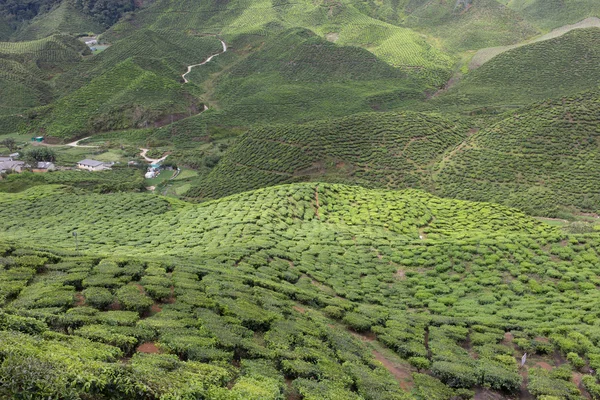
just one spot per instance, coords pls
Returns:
(385, 150)
(539, 159)
(295, 284)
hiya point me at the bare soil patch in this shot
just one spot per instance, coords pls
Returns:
(299, 309)
(402, 374)
(148, 347)
(79, 300)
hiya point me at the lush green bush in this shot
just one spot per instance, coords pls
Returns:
(98, 297)
(132, 297)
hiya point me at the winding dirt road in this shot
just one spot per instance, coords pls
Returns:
(185, 80)
(76, 143)
(189, 68)
(151, 160)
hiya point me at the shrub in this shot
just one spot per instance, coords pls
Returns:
(98, 297)
(132, 298)
(454, 374)
(420, 363)
(576, 361)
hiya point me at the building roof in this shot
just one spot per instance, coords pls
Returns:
(90, 163)
(10, 165)
(44, 165)
(4, 158)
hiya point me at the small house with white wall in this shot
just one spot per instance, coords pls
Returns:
(91, 165)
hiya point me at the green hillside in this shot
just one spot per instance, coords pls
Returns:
(298, 76)
(308, 290)
(341, 22)
(550, 14)
(467, 25)
(25, 68)
(382, 150)
(5, 29)
(540, 159)
(126, 86)
(65, 18)
(552, 68)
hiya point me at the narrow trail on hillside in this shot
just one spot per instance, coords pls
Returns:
(484, 55)
(76, 143)
(189, 68)
(151, 160)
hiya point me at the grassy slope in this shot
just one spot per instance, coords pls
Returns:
(64, 18)
(43, 209)
(538, 158)
(549, 14)
(132, 84)
(25, 68)
(299, 76)
(483, 23)
(384, 150)
(551, 68)
(263, 275)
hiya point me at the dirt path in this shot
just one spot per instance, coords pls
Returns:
(189, 68)
(151, 160)
(76, 143)
(484, 55)
(317, 206)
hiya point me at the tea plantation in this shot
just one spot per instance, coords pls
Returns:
(292, 291)
(540, 159)
(348, 208)
(25, 68)
(546, 69)
(391, 150)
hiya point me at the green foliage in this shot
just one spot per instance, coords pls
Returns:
(98, 297)
(133, 298)
(530, 73)
(541, 384)
(369, 149)
(40, 154)
(420, 363)
(556, 142)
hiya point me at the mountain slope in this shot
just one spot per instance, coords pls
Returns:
(539, 159)
(307, 284)
(550, 14)
(468, 25)
(340, 22)
(65, 18)
(383, 150)
(25, 68)
(555, 67)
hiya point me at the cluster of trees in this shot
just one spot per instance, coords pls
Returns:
(105, 11)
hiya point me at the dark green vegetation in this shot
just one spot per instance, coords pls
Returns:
(225, 300)
(120, 180)
(382, 150)
(26, 67)
(36, 19)
(540, 159)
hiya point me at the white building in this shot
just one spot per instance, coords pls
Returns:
(91, 165)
